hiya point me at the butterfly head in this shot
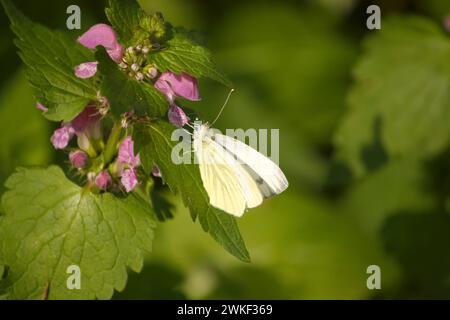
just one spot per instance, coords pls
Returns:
(200, 129)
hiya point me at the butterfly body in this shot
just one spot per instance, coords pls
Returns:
(235, 176)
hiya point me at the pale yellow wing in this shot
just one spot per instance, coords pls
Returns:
(268, 176)
(229, 186)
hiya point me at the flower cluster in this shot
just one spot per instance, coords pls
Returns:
(135, 64)
(133, 61)
(90, 157)
(112, 164)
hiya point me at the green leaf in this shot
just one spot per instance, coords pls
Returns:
(125, 93)
(156, 147)
(184, 55)
(396, 187)
(50, 223)
(400, 98)
(50, 57)
(125, 16)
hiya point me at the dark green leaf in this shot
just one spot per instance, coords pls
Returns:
(50, 223)
(125, 16)
(184, 55)
(51, 57)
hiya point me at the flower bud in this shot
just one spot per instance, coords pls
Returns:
(152, 72)
(156, 172)
(177, 116)
(135, 67)
(145, 50)
(61, 137)
(139, 76)
(103, 180)
(78, 159)
(41, 107)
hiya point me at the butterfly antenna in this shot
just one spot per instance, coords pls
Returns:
(223, 107)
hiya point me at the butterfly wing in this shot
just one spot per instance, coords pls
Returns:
(268, 176)
(229, 186)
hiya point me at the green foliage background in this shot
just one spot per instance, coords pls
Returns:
(364, 120)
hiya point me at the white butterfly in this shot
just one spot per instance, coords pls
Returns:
(235, 176)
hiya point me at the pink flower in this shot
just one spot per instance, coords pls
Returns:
(86, 70)
(177, 116)
(103, 35)
(61, 137)
(86, 125)
(129, 179)
(174, 85)
(156, 172)
(41, 107)
(126, 153)
(103, 180)
(88, 121)
(78, 159)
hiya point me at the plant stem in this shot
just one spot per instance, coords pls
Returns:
(111, 145)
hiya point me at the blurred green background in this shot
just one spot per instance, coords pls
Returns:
(364, 119)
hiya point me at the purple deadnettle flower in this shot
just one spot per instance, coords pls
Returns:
(174, 85)
(86, 125)
(86, 70)
(126, 153)
(41, 107)
(78, 159)
(129, 179)
(177, 116)
(103, 180)
(61, 137)
(103, 35)
(88, 122)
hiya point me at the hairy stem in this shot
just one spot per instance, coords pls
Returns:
(112, 144)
